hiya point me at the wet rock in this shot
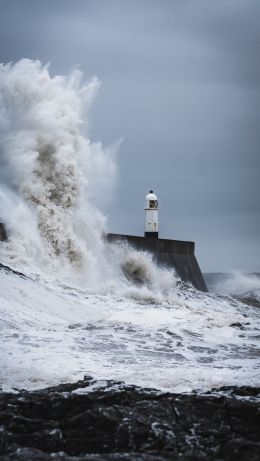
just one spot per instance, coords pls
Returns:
(7, 269)
(238, 325)
(105, 420)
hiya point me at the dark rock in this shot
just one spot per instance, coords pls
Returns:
(92, 420)
(238, 325)
(9, 269)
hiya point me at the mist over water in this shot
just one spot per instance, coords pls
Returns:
(237, 283)
(89, 306)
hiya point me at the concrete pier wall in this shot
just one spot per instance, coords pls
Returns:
(169, 253)
(3, 235)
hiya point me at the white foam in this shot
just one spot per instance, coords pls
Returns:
(51, 333)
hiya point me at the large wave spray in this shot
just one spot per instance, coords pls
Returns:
(53, 178)
(50, 172)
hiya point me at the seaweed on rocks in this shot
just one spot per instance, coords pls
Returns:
(108, 420)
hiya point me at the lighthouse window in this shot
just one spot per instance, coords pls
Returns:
(153, 203)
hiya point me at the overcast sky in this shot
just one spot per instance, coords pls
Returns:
(181, 86)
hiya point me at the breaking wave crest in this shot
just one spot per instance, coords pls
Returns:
(239, 284)
(54, 180)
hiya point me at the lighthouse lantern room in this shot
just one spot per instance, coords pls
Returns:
(151, 215)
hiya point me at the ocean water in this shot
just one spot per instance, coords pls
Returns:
(86, 307)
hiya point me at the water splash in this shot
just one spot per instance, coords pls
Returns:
(51, 177)
(50, 170)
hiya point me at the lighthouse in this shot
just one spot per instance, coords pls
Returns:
(175, 254)
(151, 215)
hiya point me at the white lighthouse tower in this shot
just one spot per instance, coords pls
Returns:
(151, 215)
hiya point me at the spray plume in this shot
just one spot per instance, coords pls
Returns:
(51, 175)
(49, 171)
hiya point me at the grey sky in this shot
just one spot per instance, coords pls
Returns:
(181, 85)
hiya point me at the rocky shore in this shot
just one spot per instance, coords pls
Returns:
(106, 420)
